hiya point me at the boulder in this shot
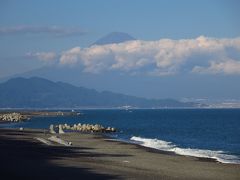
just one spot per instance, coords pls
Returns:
(83, 128)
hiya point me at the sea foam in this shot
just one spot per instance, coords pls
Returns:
(220, 156)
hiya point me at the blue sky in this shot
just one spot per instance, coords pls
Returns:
(31, 30)
(148, 20)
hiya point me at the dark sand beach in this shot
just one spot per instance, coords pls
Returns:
(94, 156)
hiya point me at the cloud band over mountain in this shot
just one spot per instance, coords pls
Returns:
(160, 58)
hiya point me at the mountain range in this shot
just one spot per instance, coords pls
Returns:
(37, 92)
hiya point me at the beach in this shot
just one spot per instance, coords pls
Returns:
(95, 156)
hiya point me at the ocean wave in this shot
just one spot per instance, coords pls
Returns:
(220, 156)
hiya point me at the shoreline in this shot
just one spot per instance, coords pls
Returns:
(115, 159)
(154, 150)
(131, 142)
(171, 153)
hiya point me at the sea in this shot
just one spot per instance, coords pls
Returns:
(209, 133)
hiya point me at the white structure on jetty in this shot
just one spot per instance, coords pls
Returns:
(60, 129)
(52, 131)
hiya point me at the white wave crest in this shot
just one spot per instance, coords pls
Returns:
(220, 156)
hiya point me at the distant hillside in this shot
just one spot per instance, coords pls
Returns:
(41, 93)
(114, 37)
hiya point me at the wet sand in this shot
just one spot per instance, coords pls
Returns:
(94, 156)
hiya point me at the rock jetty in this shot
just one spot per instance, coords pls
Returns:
(13, 117)
(82, 128)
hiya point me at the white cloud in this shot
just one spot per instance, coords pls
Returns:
(71, 56)
(225, 67)
(43, 56)
(162, 57)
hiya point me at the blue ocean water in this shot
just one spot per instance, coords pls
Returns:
(211, 133)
